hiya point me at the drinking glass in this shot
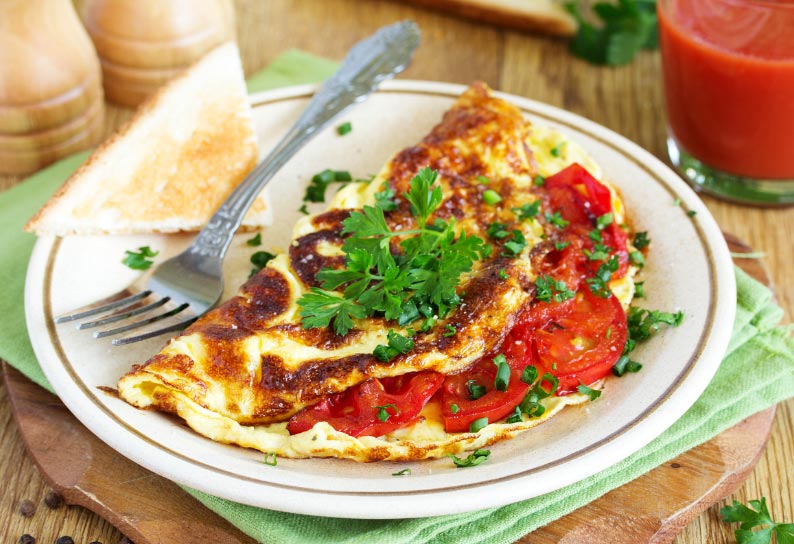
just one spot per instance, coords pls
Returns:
(728, 70)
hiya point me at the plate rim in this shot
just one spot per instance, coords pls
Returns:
(713, 341)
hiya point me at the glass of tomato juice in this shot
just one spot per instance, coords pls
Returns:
(728, 70)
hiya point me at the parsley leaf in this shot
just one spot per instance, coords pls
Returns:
(384, 414)
(599, 284)
(141, 259)
(557, 220)
(627, 27)
(384, 199)
(397, 344)
(403, 472)
(255, 241)
(475, 458)
(642, 323)
(548, 289)
(756, 515)
(530, 404)
(527, 211)
(418, 280)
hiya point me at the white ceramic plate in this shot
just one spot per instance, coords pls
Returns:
(688, 268)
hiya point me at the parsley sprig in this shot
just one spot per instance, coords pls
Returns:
(756, 515)
(141, 259)
(417, 280)
(628, 26)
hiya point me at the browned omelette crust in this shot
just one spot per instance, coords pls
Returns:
(479, 136)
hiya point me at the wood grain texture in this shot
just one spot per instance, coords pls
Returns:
(626, 99)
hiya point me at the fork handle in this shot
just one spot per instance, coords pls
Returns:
(377, 58)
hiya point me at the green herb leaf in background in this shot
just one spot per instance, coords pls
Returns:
(628, 26)
(756, 515)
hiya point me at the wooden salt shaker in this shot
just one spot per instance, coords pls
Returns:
(51, 102)
(144, 43)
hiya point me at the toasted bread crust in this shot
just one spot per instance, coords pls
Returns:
(160, 172)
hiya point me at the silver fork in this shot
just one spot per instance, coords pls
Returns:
(192, 282)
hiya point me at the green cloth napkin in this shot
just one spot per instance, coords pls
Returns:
(758, 349)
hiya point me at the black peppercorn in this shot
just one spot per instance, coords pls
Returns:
(27, 508)
(26, 539)
(125, 540)
(64, 540)
(53, 500)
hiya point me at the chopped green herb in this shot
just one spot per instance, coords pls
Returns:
(478, 424)
(475, 390)
(259, 259)
(255, 241)
(531, 404)
(475, 458)
(497, 231)
(691, 213)
(529, 375)
(627, 27)
(270, 459)
(600, 253)
(503, 275)
(599, 284)
(642, 323)
(558, 149)
(539, 180)
(491, 197)
(595, 236)
(419, 282)
(384, 414)
(608, 333)
(547, 289)
(384, 199)
(304, 210)
(603, 221)
(677, 202)
(403, 472)
(484, 180)
(639, 289)
(449, 330)
(454, 408)
(141, 259)
(344, 128)
(516, 416)
(397, 344)
(516, 245)
(637, 259)
(559, 246)
(625, 364)
(315, 192)
(641, 240)
(591, 393)
(756, 516)
(556, 220)
(527, 211)
(502, 379)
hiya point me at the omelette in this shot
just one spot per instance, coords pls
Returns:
(263, 371)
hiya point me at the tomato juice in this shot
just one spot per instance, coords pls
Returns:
(729, 83)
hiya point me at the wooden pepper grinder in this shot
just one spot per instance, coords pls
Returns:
(144, 43)
(51, 100)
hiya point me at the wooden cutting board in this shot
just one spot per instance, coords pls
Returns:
(150, 509)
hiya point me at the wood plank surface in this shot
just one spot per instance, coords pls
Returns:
(626, 99)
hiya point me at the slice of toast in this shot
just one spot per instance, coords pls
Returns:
(171, 166)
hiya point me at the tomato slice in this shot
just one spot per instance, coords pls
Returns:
(355, 411)
(578, 341)
(581, 199)
(493, 404)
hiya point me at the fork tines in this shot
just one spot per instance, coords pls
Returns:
(123, 306)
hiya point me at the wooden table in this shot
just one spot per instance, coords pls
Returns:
(627, 99)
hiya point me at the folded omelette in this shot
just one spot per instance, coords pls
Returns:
(251, 372)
